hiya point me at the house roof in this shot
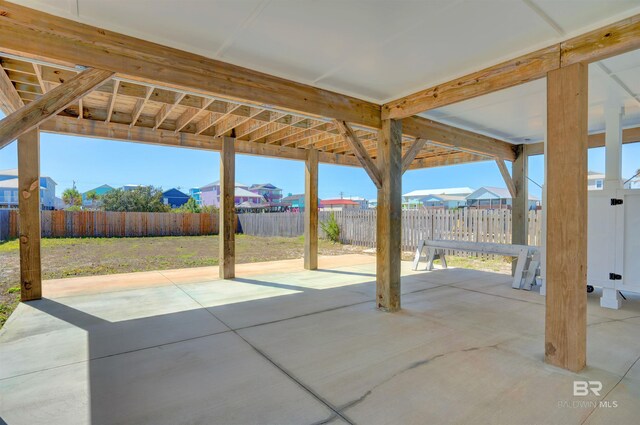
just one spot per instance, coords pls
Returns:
(443, 191)
(11, 184)
(293, 198)
(217, 183)
(326, 202)
(263, 186)
(14, 172)
(446, 197)
(490, 192)
(240, 192)
(175, 192)
(593, 175)
(100, 189)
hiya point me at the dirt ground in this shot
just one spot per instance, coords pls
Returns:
(71, 257)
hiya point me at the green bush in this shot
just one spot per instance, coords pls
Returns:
(331, 228)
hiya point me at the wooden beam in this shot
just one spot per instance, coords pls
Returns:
(506, 177)
(451, 158)
(507, 74)
(190, 114)
(165, 110)
(611, 40)
(596, 140)
(39, 35)
(566, 209)
(227, 210)
(112, 100)
(389, 217)
(42, 109)
(360, 152)
(140, 103)
(520, 200)
(37, 69)
(410, 155)
(311, 210)
(123, 132)
(10, 100)
(615, 39)
(29, 211)
(440, 134)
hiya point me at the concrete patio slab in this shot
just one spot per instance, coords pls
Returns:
(305, 347)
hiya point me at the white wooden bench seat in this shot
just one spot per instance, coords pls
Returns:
(526, 266)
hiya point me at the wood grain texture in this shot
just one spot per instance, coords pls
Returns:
(311, 211)
(410, 155)
(566, 243)
(506, 177)
(360, 152)
(39, 35)
(29, 209)
(47, 106)
(389, 217)
(447, 136)
(227, 260)
(10, 100)
(520, 200)
(507, 74)
(615, 39)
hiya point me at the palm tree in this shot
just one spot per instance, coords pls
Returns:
(72, 197)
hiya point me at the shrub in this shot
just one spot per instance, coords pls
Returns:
(331, 228)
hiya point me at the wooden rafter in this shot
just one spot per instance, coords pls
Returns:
(38, 71)
(165, 110)
(247, 128)
(411, 154)
(42, 109)
(140, 103)
(32, 33)
(506, 177)
(10, 100)
(213, 118)
(112, 100)
(191, 114)
(611, 40)
(360, 152)
(232, 121)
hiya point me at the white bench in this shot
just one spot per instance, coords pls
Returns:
(526, 267)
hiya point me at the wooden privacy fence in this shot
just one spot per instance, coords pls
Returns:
(107, 224)
(358, 227)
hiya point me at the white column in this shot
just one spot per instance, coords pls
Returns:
(613, 144)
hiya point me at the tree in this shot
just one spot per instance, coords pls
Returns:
(190, 206)
(140, 199)
(72, 197)
(92, 196)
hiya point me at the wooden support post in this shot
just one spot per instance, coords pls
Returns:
(566, 206)
(389, 216)
(29, 210)
(227, 209)
(520, 200)
(311, 211)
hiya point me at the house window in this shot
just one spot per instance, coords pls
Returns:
(598, 184)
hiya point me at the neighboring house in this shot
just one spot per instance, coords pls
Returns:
(128, 187)
(210, 195)
(174, 198)
(268, 191)
(417, 198)
(9, 190)
(294, 202)
(194, 192)
(364, 203)
(633, 183)
(373, 203)
(495, 198)
(100, 191)
(338, 205)
(596, 180)
(444, 201)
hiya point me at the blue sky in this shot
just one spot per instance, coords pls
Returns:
(93, 162)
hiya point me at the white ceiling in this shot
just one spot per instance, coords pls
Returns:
(380, 50)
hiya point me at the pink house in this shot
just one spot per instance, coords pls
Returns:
(210, 195)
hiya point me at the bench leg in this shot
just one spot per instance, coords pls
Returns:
(517, 276)
(416, 259)
(443, 258)
(431, 255)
